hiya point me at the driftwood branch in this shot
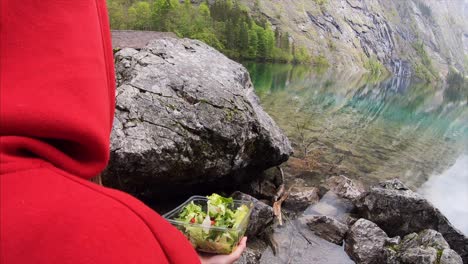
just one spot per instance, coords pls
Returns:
(277, 207)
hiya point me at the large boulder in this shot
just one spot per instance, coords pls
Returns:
(186, 114)
(400, 211)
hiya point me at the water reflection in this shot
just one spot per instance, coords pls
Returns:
(454, 181)
(342, 123)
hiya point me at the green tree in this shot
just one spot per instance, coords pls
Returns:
(244, 39)
(209, 38)
(116, 14)
(253, 44)
(160, 14)
(261, 42)
(301, 55)
(284, 42)
(269, 41)
(139, 16)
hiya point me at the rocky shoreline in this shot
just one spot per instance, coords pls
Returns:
(375, 226)
(187, 121)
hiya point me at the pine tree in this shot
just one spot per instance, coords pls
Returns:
(253, 44)
(261, 43)
(269, 41)
(244, 38)
(139, 16)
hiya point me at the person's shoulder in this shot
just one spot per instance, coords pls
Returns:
(72, 220)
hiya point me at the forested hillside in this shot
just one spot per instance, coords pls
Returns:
(424, 39)
(224, 24)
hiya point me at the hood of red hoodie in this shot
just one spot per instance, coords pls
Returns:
(56, 85)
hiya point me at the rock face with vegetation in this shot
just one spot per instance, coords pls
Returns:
(428, 36)
(421, 37)
(186, 114)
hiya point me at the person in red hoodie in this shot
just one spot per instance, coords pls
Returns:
(56, 112)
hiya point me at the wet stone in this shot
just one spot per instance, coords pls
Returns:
(327, 228)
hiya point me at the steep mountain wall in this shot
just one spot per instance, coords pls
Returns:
(427, 37)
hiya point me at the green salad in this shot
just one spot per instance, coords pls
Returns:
(206, 228)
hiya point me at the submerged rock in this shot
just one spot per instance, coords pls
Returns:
(300, 198)
(327, 228)
(332, 205)
(185, 115)
(365, 242)
(294, 242)
(262, 214)
(345, 187)
(400, 211)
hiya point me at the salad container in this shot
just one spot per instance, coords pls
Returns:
(212, 239)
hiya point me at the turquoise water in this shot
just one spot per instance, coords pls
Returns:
(369, 130)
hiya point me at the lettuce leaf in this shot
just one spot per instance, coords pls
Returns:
(239, 215)
(191, 211)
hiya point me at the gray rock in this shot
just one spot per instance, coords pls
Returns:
(300, 198)
(267, 184)
(390, 255)
(294, 242)
(409, 241)
(348, 219)
(426, 247)
(425, 238)
(253, 252)
(186, 114)
(419, 255)
(261, 216)
(365, 242)
(432, 238)
(345, 187)
(392, 241)
(449, 256)
(249, 256)
(400, 211)
(263, 188)
(327, 228)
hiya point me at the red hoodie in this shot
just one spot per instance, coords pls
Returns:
(56, 111)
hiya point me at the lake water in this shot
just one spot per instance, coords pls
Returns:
(371, 130)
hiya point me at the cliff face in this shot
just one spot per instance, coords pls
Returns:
(425, 36)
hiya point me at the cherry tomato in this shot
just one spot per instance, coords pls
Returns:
(192, 220)
(213, 222)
